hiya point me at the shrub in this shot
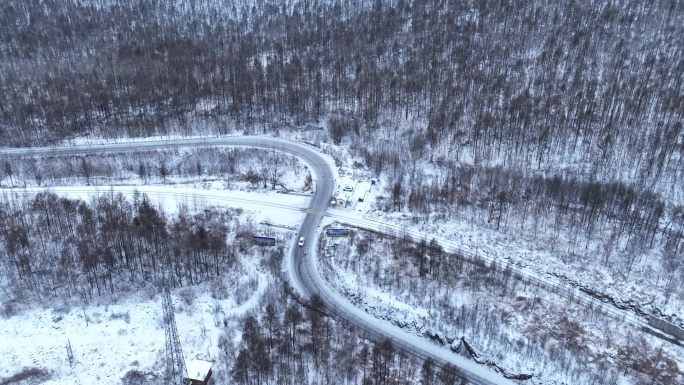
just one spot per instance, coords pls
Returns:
(126, 316)
(36, 375)
(188, 296)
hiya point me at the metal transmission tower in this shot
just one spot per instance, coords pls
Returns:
(175, 364)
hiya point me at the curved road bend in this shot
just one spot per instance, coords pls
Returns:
(303, 273)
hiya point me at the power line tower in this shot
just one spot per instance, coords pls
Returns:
(175, 364)
(70, 354)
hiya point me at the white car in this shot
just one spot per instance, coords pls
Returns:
(301, 242)
(348, 188)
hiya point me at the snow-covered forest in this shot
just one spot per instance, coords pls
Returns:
(565, 116)
(63, 247)
(232, 302)
(527, 84)
(557, 126)
(103, 255)
(505, 320)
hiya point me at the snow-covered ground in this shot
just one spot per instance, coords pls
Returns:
(126, 333)
(520, 327)
(544, 253)
(538, 258)
(286, 210)
(115, 334)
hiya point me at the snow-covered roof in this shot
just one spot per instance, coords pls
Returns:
(342, 197)
(198, 369)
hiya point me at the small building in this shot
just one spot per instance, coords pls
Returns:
(199, 372)
(341, 200)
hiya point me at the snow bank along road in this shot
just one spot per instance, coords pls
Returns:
(301, 264)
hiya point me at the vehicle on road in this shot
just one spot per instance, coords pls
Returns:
(348, 188)
(301, 242)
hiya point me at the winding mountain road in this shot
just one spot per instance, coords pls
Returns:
(302, 270)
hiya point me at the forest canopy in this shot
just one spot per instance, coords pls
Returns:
(526, 80)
